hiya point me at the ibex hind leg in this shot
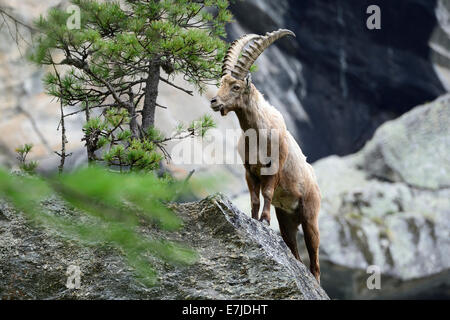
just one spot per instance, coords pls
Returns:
(254, 187)
(288, 230)
(310, 225)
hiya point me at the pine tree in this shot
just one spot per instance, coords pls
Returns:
(111, 67)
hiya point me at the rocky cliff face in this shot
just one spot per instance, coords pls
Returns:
(389, 205)
(239, 258)
(337, 81)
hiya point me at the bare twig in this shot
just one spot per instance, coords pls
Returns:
(35, 127)
(189, 176)
(63, 155)
(10, 16)
(15, 34)
(160, 106)
(189, 92)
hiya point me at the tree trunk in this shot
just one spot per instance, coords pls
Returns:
(133, 122)
(91, 142)
(151, 93)
(133, 116)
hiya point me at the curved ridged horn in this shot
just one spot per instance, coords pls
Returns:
(233, 52)
(252, 53)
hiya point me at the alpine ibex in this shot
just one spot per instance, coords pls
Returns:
(292, 188)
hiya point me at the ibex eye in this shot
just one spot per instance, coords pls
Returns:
(236, 88)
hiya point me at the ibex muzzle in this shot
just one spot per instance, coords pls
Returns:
(292, 189)
(216, 105)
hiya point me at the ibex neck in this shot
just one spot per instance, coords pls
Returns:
(251, 114)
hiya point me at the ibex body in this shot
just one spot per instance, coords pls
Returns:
(292, 186)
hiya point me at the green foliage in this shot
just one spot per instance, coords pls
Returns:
(254, 68)
(104, 68)
(116, 42)
(113, 207)
(110, 58)
(140, 155)
(198, 127)
(124, 149)
(24, 165)
(202, 125)
(154, 134)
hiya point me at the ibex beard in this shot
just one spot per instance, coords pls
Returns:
(286, 181)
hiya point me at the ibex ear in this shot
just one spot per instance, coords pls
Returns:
(248, 81)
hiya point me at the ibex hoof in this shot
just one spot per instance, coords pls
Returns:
(265, 221)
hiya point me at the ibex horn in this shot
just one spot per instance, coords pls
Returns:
(254, 50)
(233, 52)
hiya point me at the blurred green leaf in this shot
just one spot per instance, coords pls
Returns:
(115, 206)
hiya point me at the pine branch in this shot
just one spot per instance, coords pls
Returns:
(189, 92)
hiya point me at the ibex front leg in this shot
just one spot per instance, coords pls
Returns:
(268, 184)
(254, 187)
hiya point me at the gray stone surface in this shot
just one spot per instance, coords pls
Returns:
(414, 149)
(389, 205)
(239, 258)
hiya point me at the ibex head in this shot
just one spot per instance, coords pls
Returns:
(236, 80)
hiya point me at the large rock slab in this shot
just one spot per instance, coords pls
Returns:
(413, 149)
(239, 258)
(389, 205)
